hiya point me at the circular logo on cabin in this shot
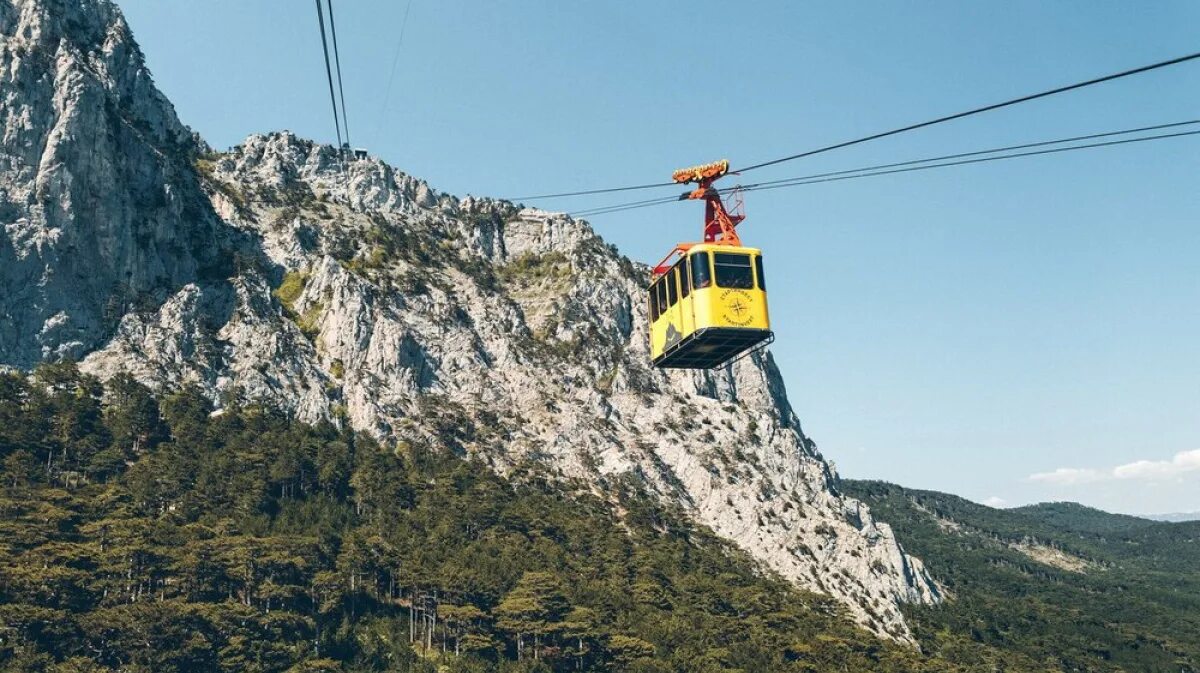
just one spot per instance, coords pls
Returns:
(736, 307)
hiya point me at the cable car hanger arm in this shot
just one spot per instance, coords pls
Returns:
(719, 223)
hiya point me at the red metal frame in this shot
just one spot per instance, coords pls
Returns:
(719, 222)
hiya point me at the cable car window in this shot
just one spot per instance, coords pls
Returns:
(653, 292)
(733, 271)
(662, 296)
(701, 278)
(685, 284)
(762, 280)
(672, 296)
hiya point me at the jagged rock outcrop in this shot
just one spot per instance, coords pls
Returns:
(274, 272)
(101, 209)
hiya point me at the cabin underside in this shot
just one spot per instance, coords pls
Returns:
(710, 347)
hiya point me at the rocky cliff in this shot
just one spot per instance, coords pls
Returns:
(275, 272)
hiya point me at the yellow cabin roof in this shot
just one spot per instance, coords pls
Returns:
(717, 247)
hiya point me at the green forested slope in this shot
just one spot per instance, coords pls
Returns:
(1060, 583)
(143, 534)
(148, 535)
(1073, 517)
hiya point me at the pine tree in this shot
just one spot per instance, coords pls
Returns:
(20, 468)
(535, 606)
(132, 415)
(581, 625)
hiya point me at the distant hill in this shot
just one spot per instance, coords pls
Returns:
(1076, 517)
(1070, 587)
(1175, 516)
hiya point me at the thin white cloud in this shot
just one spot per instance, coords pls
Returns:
(1141, 470)
(1184, 461)
(1069, 476)
(995, 501)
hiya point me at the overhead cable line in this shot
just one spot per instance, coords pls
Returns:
(1015, 155)
(337, 60)
(600, 210)
(329, 75)
(631, 205)
(944, 157)
(975, 111)
(387, 92)
(912, 127)
(592, 191)
(648, 202)
(917, 165)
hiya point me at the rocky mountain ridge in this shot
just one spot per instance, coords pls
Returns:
(276, 272)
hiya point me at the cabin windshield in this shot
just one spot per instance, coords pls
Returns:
(733, 271)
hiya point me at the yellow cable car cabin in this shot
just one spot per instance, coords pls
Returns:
(710, 305)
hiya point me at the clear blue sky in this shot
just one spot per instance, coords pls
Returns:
(958, 330)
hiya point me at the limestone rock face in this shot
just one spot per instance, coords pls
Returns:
(350, 291)
(101, 210)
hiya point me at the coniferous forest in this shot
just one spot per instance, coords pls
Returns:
(150, 533)
(1056, 582)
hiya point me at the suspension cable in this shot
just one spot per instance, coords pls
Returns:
(876, 136)
(920, 164)
(600, 210)
(944, 157)
(975, 111)
(337, 59)
(329, 75)
(592, 191)
(963, 162)
(387, 92)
